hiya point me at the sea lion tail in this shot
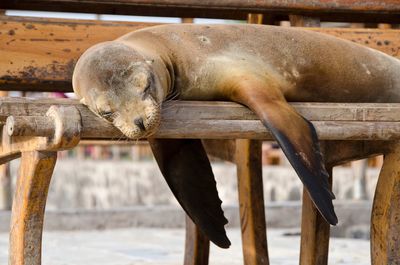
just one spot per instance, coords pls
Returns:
(187, 170)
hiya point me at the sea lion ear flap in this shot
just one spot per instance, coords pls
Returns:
(297, 138)
(185, 167)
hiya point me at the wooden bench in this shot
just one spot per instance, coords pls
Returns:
(39, 54)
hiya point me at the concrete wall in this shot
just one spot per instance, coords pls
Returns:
(101, 184)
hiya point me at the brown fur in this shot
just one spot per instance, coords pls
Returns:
(126, 81)
(200, 62)
(306, 66)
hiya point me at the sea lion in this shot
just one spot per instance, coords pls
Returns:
(262, 67)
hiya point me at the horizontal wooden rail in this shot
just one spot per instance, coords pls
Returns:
(215, 120)
(39, 55)
(352, 10)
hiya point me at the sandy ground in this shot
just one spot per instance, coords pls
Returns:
(147, 246)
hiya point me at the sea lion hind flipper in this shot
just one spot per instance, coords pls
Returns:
(309, 167)
(297, 138)
(187, 170)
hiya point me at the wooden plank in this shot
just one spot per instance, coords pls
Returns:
(43, 52)
(39, 55)
(385, 10)
(251, 202)
(178, 125)
(385, 218)
(28, 207)
(219, 110)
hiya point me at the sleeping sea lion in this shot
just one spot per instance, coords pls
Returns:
(262, 67)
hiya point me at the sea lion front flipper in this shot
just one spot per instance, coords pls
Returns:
(295, 135)
(187, 170)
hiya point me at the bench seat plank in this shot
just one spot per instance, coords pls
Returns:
(190, 119)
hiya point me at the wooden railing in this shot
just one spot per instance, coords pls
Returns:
(212, 120)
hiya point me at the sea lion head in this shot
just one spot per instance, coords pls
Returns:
(118, 83)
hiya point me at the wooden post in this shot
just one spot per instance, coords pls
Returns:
(251, 193)
(5, 187)
(315, 230)
(5, 178)
(197, 245)
(303, 21)
(251, 200)
(28, 207)
(385, 218)
(314, 247)
(187, 20)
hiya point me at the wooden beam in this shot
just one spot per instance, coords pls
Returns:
(39, 55)
(42, 53)
(218, 110)
(344, 10)
(199, 120)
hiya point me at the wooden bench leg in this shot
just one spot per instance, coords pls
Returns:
(28, 207)
(197, 245)
(314, 246)
(315, 231)
(385, 219)
(251, 202)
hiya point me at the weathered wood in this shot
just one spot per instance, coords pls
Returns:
(30, 125)
(385, 218)
(222, 149)
(255, 18)
(206, 110)
(185, 122)
(28, 207)
(5, 187)
(39, 55)
(5, 177)
(197, 245)
(314, 247)
(251, 202)
(385, 10)
(346, 151)
(187, 20)
(303, 21)
(43, 52)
